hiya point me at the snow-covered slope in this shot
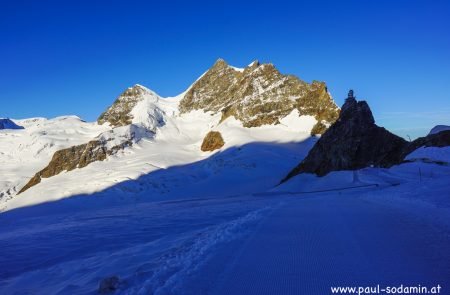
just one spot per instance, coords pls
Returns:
(375, 226)
(9, 124)
(159, 216)
(178, 143)
(25, 151)
(138, 134)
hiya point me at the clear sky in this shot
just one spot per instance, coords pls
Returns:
(76, 57)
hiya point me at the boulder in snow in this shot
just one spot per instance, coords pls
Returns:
(212, 141)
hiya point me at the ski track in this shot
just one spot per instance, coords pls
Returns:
(311, 244)
(281, 244)
(151, 247)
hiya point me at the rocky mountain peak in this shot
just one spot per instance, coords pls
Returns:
(354, 141)
(356, 111)
(120, 112)
(220, 63)
(259, 95)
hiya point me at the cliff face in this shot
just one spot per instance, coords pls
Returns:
(354, 141)
(259, 95)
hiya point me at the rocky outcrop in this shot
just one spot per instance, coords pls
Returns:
(354, 141)
(120, 112)
(74, 157)
(212, 141)
(9, 124)
(259, 95)
(106, 144)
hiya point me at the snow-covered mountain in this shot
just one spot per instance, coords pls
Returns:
(182, 195)
(8, 124)
(142, 132)
(439, 128)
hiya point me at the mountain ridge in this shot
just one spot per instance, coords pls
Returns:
(140, 113)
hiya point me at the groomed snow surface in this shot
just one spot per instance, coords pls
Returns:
(373, 226)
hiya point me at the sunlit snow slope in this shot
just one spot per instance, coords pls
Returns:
(162, 139)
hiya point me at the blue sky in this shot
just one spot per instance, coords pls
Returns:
(76, 57)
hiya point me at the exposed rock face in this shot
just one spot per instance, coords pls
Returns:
(212, 141)
(354, 141)
(80, 156)
(259, 95)
(9, 124)
(119, 113)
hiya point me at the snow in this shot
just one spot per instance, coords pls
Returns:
(176, 143)
(296, 238)
(166, 218)
(23, 152)
(237, 69)
(435, 154)
(147, 112)
(161, 138)
(252, 63)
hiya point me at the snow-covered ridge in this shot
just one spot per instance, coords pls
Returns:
(439, 128)
(23, 152)
(8, 124)
(142, 132)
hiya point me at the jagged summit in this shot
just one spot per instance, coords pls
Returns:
(254, 64)
(259, 95)
(356, 111)
(354, 141)
(125, 110)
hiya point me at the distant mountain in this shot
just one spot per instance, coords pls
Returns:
(439, 128)
(9, 124)
(137, 105)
